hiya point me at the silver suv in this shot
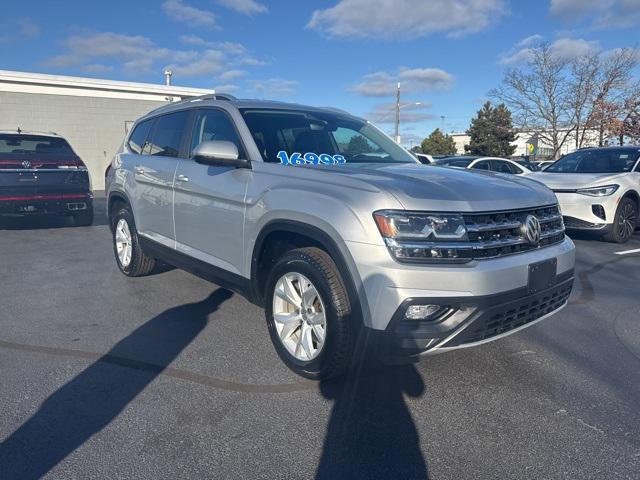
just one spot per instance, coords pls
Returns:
(341, 235)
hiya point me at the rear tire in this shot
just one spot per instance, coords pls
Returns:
(319, 272)
(84, 219)
(130, 258)
(624, 222)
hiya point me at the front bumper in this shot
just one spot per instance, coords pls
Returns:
(475, 321)
(49, 204)
(582, 212)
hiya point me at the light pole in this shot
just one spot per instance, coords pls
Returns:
(397, 136)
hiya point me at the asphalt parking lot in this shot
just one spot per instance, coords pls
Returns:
(168, 376)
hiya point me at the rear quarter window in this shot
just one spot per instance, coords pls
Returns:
(139, 136)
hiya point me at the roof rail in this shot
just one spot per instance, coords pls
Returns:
(196, 98)
(213, 96)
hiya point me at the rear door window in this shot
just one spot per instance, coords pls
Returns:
(482, 165)
(139, 136)
(167, 134)
(504, 167)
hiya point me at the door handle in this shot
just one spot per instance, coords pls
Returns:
(182, 178)
(139, 170)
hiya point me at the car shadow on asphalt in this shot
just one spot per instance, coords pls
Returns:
(371, 433)
(90, 401)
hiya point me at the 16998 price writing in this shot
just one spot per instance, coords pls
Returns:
(309, 158)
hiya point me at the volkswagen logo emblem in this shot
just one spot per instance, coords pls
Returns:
(531, 229)
(26, 164)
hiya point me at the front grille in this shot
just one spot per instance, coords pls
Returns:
(500, 233)
(508, 317)
(490, 235)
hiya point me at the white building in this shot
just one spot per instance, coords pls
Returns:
(522, 138)
(92, 114)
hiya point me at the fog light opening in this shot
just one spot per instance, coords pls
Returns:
(424, 312)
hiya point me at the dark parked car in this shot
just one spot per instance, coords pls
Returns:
(40, 174)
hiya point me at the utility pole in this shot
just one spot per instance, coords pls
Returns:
(397, 137)
(442, 123)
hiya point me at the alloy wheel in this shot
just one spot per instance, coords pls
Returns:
(627, 221)
(299, 316)
(123, 242)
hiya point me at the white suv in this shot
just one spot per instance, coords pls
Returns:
(598, 190)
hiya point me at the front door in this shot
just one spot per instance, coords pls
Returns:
(209, 202)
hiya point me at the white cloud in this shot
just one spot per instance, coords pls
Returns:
(137, 55)
(28, 28)
(528, 41)
(227, 88)
(181, 12)
(248, 7)
(600, 13)
(110, 45)
(406, 18)
(273, 87)
(413, 80)
(409, 113)
(562, 49)
(97, 68)
(209, 62)
(231, 75)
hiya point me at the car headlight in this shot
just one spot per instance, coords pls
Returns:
(603, 191)
(417, 236)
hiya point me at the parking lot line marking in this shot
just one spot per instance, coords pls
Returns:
(624, 252)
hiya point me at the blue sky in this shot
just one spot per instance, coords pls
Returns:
(447, 54)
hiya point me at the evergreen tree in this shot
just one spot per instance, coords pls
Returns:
(492, 132)
(438, 144)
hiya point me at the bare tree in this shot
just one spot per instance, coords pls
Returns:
(615, 94)
(558, 97)
(538, 97)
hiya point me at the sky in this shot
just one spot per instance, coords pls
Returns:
(350, 54)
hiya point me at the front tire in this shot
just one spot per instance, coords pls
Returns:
(624, 222)
(309, 315)
(130, 258)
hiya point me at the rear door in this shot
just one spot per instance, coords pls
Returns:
(153, 171)
(210, 200)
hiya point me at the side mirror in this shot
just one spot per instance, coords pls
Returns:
(219, 153)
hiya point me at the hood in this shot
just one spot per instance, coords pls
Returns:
(424, 187)
(573, 181)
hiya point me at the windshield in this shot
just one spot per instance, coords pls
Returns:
(281, 134)
(33, 145)
(605, 160)
(462, 162)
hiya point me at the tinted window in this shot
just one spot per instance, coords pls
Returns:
(300, 131)
(505, 167)
(453, 162)
(212, 125)
(483, 165)
(605, 160)
(166, 135)
(34, 145)
(139, 136)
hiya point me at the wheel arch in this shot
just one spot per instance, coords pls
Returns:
(293, 233)
(114, 198)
